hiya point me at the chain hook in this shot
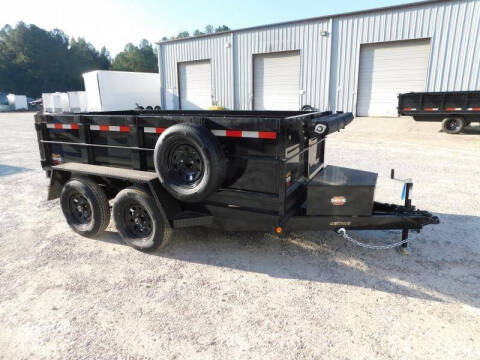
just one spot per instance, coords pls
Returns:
(343, 233)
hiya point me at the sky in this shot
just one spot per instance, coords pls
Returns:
(114, 23)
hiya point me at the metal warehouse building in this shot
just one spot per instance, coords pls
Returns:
(355, 62)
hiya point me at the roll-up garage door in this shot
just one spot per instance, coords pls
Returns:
(195, 85)
(387, 69)
(276, 81)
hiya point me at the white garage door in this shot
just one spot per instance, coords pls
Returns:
(388, 69)
(276, 81)
(195, 85)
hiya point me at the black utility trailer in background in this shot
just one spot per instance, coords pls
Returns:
(232, 170)
(455, 109)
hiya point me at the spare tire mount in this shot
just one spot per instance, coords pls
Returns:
(189, 162)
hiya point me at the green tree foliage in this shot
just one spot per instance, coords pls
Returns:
(209, 29)
(183, 34)
(222, 28)
(33, 60)
(140, 58)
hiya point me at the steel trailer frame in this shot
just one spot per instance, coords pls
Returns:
(228, 209)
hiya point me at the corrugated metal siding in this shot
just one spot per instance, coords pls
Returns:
(314, 54)
(454, 59)
(213, 48)
(329, 64)
(232, 67)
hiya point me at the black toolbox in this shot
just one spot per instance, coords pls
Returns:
(341, 191)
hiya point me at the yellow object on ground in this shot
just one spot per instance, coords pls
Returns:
(216, 108)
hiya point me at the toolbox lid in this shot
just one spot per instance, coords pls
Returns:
(340, 176)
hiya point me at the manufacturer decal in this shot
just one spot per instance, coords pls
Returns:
(340, 223)
(320, 129)
(56, 159)
(338, 200)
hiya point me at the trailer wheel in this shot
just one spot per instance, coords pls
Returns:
(453, 125)
(157, 108)
(139, 221)
(85, 207)
(149, 108)
(189, 162)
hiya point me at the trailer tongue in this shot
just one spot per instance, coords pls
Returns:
(233, 170)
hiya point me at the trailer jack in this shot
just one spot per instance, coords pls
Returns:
(401, 246)
(407, 190)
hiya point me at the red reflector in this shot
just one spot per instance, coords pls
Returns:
(407, 109)
(58, 126)
(476, 109)
(104, 127)
(234, 133)
(124, 128)
(160, 130)
(267, 135)
(74, 127)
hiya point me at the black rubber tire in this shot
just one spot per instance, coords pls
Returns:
(149, 108)
(160, 232)
(210, 152)
(157, 108)
(453, 125)
(307, 108)
(97, 201)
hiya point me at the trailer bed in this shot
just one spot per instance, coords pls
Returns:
(456, 109)
(264, 171)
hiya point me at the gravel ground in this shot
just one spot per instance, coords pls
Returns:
(220, 295)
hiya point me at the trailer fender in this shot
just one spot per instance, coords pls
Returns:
(57, 180)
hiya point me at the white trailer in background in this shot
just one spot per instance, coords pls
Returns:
(57, 102)
(120, 90)
(4, 105)
(77, 101)
(17, 102)
(47, 102)
(52, 102)
(64, 101)
(61, 102)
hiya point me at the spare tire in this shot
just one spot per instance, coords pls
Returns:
(189, 162)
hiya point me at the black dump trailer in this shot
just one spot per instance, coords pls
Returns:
(455, 110)
(231, 170)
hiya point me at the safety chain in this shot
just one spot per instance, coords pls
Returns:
(343, 233)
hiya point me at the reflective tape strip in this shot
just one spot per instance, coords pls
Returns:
(431, 109)
(246, 134)
(219, 132)
(58, 126)
(267, 135)
(453, 109)
(110, 128)
(154, 130)
(159, 130)
(409, 109)
(474, 109)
